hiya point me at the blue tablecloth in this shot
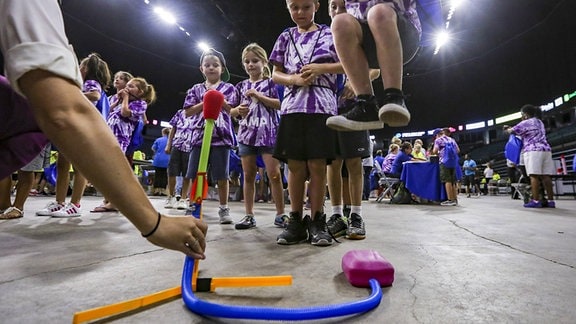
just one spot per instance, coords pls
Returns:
(423, 180)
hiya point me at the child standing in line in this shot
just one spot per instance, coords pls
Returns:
(381, 34)
(345, 172)
(133, 101)
(258, 113)
(213, 67)
(96, 74)
(304, 60)
(121, 78)
(179, 146)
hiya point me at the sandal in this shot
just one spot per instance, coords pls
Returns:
(12, 213)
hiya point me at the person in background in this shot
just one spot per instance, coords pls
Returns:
(258, 125)
(536, 154)
(216, 75)
(96, 76)
(488, 175)
(393, 150)
(67, 118)
(447, 174)
(404, 155)
(160, 163)
(179, 146)
(418, 153)
(469, 166)
(25, 183)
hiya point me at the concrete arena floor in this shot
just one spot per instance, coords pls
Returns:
(487, 260)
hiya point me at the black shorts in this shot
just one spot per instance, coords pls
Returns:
(469, 180)
(305, 137)
(353, 144)
(409, 37)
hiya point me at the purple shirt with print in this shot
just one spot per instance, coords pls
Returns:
(359, 9)
(533, 135)
(259, 127)
(440, 144)
(92, 85)
(182, 139)
(223, 134)
(388, 161)
(123, 127)
(292, 51)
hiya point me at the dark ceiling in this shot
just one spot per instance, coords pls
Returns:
(504, 53)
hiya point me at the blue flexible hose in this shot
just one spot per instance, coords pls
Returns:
(272, 313)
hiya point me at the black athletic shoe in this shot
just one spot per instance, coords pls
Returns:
(245, 223)
(356, 230)
(296, 231)
(336, 225)
(318, 230)
(363, 115)
(394, 111)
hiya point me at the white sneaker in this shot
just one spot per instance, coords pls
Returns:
(49, 209)
(224, 214)
(170, 202)
(70, 210)
(181, 204)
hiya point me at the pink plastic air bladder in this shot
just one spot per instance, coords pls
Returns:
(360, 266)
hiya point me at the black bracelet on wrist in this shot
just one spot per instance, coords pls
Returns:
(155, 227)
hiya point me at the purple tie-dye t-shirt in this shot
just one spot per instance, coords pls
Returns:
(259, 127)
(91, 85)
(359, 9)
(440, 145)
(223, 134)
(533, 135)
(311, 47)
(183, 131)
(123, 127)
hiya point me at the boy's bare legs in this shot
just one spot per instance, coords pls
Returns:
(223, 192)
(383, 22)
(275, 179)
(249, 168)
(77, 129)
(347, 40)
(297, 229)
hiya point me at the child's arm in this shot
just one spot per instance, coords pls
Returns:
(281, 77)
(273, 103)
(168, 148)
(194, 110)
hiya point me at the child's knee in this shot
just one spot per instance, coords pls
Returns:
(381, 13)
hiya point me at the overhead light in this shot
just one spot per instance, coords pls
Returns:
(165, 15)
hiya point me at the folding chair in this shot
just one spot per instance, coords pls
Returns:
(521, 189)
(386, 185)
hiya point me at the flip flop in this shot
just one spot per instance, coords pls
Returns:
(104, 209)
(11, 213)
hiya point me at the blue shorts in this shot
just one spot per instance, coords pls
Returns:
(178, 165)
(218, 163)
(244, 150)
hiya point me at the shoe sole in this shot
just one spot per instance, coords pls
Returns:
(322, 242)
(244, 227)
(339, 234)
(394, 115)
(65, 216)
(284, 242)
(355, 236)
(226, 222)
(342, 124)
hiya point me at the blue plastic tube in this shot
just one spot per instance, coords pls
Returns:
(272, 313)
